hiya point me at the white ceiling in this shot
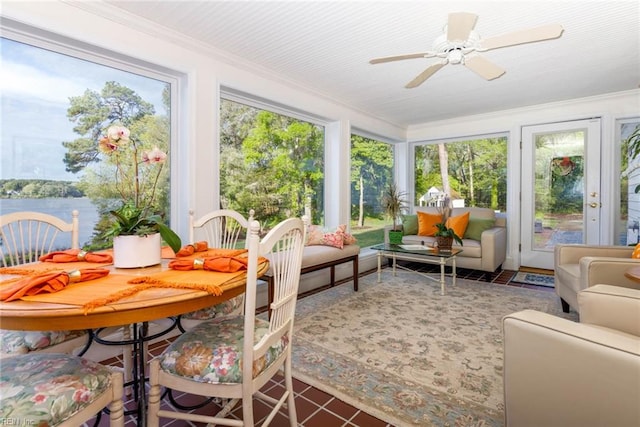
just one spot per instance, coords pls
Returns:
(326, 47)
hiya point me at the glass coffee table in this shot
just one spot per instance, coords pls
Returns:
(418, 253)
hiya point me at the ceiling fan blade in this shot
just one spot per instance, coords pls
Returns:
(483, 67)
(401, 57)
(531, 35)
(430, 71)
(460, 25)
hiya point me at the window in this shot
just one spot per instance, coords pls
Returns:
(270, 162)
(628, 225)
(371, 173)
(57, 102)
(472, 172)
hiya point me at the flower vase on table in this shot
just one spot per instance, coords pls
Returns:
(137, 231)
(137, 251)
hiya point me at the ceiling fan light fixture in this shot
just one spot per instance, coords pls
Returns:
(459, 39)
(455, 56)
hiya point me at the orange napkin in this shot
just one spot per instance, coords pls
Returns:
(191, 249)
(48, 282)
(224, 264)
(75, 255)
(223, 260)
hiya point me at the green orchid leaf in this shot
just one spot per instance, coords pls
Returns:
(169, 236)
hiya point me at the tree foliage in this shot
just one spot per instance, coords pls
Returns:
(37, 189)
(270, 163)
(92, 113)
(476, 171)
(371, 173)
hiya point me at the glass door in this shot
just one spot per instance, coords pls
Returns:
(560, 192)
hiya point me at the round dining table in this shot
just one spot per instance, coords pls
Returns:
(64, 310)
(146, 305)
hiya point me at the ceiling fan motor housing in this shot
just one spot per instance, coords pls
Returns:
(454, 51)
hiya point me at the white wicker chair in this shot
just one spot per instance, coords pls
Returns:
(25, 236)
(260, 348)
(225, 229)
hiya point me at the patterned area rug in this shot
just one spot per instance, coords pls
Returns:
(407, 355)
(534, 279)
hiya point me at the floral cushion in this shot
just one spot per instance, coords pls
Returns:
(317, 236)
(212, 351)
(22, 342)
(229, 307)
(44, 389)
(348, 238)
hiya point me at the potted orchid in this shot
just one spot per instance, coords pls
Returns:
(137, 172)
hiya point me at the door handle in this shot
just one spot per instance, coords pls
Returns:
(594, 204)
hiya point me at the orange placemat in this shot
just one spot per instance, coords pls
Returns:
(112, 288)
(41, 267)
(84, 292)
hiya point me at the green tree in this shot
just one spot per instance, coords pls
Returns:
(270, 163)
(371, 172)
(93, 113)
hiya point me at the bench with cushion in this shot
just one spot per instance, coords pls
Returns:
(325, 250)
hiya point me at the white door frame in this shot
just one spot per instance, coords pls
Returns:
(592, 201)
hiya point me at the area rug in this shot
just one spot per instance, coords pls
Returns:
(534, 279)
(406, 354)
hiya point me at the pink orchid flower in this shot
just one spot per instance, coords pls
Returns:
(154, 156)
(118, 134)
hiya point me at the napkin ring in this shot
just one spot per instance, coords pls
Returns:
(198, 264)
(81, 255)
(74, 275)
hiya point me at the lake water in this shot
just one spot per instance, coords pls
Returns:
(62, 208)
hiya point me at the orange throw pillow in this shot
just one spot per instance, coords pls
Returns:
(427, 223)
(459, 224)
(636, 252)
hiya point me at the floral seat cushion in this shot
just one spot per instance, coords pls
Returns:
(229, 307)
(22, 342)
(212, 351)
(41, 389)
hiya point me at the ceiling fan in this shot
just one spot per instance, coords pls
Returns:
(460, 44)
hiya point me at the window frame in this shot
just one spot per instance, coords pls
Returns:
(254, 101)
(411, 158)
(39, 38)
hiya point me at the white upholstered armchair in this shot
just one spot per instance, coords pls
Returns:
(578, 267)
(562, 373)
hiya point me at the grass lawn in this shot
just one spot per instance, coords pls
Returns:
(371, 233)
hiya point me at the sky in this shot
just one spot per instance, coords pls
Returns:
(35, 87)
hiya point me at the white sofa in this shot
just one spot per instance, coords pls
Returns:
(486, 254)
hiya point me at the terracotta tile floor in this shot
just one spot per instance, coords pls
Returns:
(315, 408)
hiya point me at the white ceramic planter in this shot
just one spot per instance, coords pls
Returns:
(136, 251)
